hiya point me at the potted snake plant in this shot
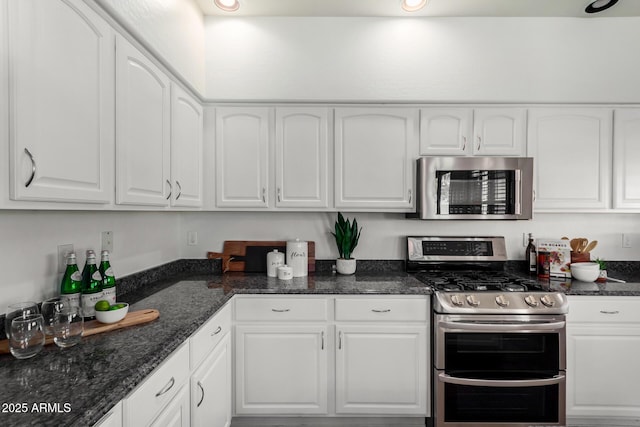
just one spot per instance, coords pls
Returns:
(347, 235)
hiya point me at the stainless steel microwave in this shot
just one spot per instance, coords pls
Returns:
(474, 188)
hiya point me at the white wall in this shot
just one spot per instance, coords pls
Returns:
(173, 28)
(383, 234)
(423, 59)
(29, 243)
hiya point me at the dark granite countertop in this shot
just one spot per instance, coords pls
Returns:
(100, 371)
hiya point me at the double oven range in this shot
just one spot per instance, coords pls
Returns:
(498, 347)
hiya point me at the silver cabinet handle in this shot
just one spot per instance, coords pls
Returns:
(340, 340)
(33, 167)
(166, 388)
(264, 195)
(179, 189)
(479, 142)
(381, 311)
(202, 398)
(322, 340)
(217, 331)
(410, 196)
(464, 143)
(170, 189)
(279, 192)
(284, 310)
(609, 312)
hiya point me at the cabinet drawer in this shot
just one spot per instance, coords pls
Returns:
(209, 334)
(603, 309)
(281, 309)
(157, 390)
(382, 309)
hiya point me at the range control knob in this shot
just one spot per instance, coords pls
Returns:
(548, 301)
(502, 301)
(456, 300)
(473, 301)
(532, 301)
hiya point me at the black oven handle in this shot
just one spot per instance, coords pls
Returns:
(556, 379)
(501, 327)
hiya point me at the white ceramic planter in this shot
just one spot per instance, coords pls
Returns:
(346, 266)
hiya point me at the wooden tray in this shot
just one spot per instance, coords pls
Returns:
(251, 255)
(93, 327)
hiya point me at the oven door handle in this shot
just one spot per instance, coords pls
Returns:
(556, 379)
(500, 327)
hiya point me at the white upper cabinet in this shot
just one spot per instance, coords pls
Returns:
(572, 158)
(626, 158)
(466, 131)
(61, 102)
(142, 129)
(186, 149)
(242, 147)
(301, 157)
(375, 152)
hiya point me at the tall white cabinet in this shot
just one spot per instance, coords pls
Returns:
(61, 102)
(626, 158)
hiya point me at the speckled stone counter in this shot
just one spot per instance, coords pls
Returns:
(79, 385)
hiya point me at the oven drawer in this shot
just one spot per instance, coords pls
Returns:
(385, 309)
(603, 309)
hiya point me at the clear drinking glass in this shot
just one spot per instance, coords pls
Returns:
(20, 309)
(27, 336)
(68, 326)
(49, 308)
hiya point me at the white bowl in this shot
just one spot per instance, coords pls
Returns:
(585, 271)
(112, 316)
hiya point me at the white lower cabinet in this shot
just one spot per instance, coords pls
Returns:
(603, 343)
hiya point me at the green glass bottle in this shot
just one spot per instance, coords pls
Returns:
(91, 286)
(108, 279)
(71, 285)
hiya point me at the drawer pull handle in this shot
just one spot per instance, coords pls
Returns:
(217, 331)
(387, 310)
(609, 312)
(202, 398)
(166, 388)
(33, 168)
(284, 310)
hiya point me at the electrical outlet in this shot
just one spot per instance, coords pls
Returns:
(626, 240)
(192, 238)
(107, 241)
(63, 250)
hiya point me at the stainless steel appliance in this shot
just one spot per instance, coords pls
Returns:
(499, 343)
(474, 188)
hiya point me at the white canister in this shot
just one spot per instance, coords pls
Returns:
(297, 257)
(275, 259)
(285, 272)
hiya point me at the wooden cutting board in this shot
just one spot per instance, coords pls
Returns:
(93, 327)
(251, 255)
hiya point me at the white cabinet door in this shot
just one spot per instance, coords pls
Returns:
(572, 158)
(446, 131)
(281, 369)
(211, 388)
(375, 152)
(242, 147)
(301, 158)
(626, 158)
(176, 413)
(61, 102)
(381, 369)
(499, 132)
(142, 129)
(186, 148)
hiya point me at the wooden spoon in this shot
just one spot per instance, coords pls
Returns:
(574, 243)
(582, 245)
(591, 246)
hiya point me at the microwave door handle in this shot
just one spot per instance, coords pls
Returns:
(556, 379)
(518, 178)
(497, 327)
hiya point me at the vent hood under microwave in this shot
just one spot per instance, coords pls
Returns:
(474, 188)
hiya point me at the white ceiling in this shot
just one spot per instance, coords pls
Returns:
(379, 8)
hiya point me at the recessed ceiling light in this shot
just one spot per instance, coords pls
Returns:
(227, 5)
(600, 5)
(414, 5)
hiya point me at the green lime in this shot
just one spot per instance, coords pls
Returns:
(116, 306)
(102, 305)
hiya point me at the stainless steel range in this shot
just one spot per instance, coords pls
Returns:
(499, 350)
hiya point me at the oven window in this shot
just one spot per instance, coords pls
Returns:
(501, 404)
(505, 353)
(476, 192)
